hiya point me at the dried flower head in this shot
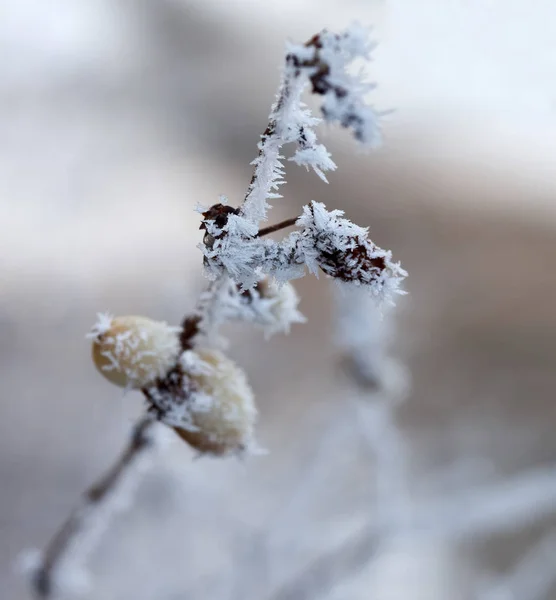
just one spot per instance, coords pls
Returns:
(133, 351)
(221, 410)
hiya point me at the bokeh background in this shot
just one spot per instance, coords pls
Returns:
(116, 118)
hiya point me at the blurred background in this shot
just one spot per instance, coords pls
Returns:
(116, 118)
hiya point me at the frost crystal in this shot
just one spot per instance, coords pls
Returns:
(269, 305)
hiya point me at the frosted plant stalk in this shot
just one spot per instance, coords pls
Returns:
(189, 384)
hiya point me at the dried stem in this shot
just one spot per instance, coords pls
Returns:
(272, 228)
(140, 441)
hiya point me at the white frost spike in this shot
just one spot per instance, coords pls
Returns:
(272, 306)
(133, 351)
(282, 302)
(317, 157)
(269, 173)
(344, 93)
(103, 324)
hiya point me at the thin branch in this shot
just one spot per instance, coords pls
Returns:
(272, 228)
(140, 441)
(494, 510)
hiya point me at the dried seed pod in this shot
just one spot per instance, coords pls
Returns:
(221, 411)
(133, 351)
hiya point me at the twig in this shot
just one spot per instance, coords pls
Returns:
(140, 441)
(277, 227)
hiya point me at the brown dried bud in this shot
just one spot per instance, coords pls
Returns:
(133, 351)
(218, 213)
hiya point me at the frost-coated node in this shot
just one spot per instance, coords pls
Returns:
(133, 351)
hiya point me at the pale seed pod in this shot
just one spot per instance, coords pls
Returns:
(133, 351)
(222, 411)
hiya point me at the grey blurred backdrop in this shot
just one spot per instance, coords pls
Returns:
(116, 118)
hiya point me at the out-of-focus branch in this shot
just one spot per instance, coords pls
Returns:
(493, 510)
(44, 577)
(336, 565)
(531, 578)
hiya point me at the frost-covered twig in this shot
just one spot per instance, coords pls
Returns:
(189, 384)
(326, 241)
(321, 62)
(47, 575)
